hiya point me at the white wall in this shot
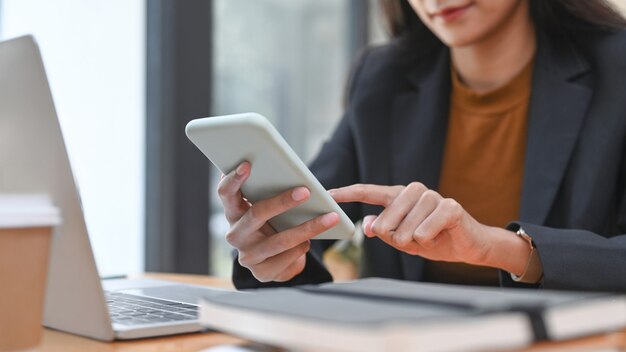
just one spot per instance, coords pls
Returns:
(95, 58)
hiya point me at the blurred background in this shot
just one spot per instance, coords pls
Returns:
(127, 75)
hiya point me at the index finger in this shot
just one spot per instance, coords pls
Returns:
(364, 193)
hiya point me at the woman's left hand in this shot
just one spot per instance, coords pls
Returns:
(419, 221)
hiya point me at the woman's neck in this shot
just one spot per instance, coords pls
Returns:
(498, 57)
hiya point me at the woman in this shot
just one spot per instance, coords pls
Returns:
(486, 144)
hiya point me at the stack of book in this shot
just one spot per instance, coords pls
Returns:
(383, 314)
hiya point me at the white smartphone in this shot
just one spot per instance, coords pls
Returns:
(229, 140)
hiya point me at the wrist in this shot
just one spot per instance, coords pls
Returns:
(507, 251)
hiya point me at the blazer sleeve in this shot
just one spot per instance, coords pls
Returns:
(335, 166)
(578, 259)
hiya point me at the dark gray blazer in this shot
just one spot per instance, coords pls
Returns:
(574, 190)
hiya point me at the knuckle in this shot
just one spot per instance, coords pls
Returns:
(221, 189)
(430, 195)
(228, 216)
(395, 191)
(401, 240)
(413, 248)
(224, 187)
(249, 259)
(301, 250)
(284, 276)
(380, 227)
(281, 242)
(418, 237)
(311, 227)
(389, 197)
(452, 206)
(448, 203)
(389, 193)
(315, 226)
(244, 260)
(231, 237)
(359, 189)
(427, 243)
(364, 190)
(253, 214)
(263, 277)
(286, 200)
(415, 187)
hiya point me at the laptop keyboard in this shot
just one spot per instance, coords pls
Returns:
(129, 309)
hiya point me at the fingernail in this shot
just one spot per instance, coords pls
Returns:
(372, 223)
(365, 226)
(299, 193)
(329, 219)
(240, 169)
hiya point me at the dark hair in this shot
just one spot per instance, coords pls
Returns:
(552, 17)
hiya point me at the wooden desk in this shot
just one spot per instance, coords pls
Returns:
(55, 341)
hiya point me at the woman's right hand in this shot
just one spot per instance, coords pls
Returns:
(269, 255)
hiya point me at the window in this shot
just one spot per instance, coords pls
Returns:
(287, 60)
(94, 56)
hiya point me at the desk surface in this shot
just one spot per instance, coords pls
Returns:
(54, 341)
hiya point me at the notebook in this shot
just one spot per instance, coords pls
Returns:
(383, 314)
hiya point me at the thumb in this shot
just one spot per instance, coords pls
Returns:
(367, 225)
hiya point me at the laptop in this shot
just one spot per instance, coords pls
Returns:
(33, 159)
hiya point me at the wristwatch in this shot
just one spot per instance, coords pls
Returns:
(533, 272)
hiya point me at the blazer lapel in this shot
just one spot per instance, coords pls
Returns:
(419, 127)
(419, 124)
(557, 109)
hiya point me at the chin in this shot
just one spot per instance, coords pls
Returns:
(458, 38)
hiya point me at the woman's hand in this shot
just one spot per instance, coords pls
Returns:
(269, 255)
(419, 221)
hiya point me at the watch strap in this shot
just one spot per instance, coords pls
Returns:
(533, 273)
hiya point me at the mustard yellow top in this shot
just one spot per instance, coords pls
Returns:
(483, 163)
